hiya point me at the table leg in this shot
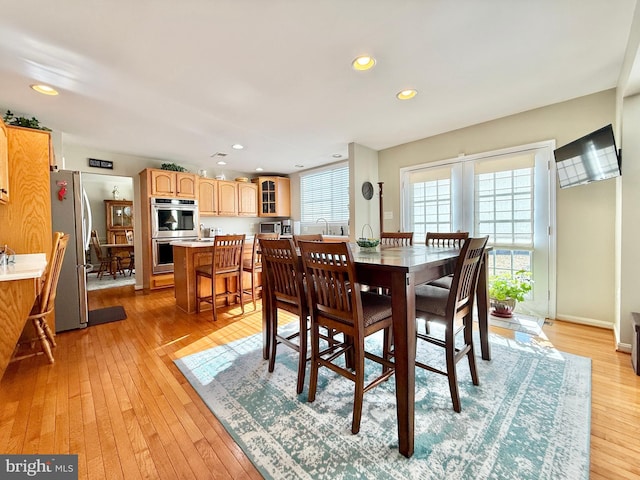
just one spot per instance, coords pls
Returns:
(482, 301)
(404, 339)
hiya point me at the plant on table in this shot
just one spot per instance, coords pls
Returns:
(505, 290)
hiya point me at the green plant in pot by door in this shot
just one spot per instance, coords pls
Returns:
(505, 290)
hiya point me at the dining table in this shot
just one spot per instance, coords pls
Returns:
(115, 248)
(399, 269)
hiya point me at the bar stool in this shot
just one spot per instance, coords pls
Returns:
(253, 265)
(226, 263)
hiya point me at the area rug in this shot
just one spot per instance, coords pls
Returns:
(106, 315)
(528, 419)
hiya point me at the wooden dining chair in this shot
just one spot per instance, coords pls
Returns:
(286, 291)
(396, 239)
(110, 263)
(445, 240)
(338, 304)
(46, 300)
(226, 263)
(253, 265)
(453, 308)
(312, 237)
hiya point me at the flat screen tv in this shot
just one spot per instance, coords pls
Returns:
(590, 158)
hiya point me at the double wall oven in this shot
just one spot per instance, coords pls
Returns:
(171, 219)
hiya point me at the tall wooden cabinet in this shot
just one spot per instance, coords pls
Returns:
(274, 196)
(119, 219)
(25, 226)
(4, 164)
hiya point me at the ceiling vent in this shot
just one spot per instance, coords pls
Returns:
(218, 154)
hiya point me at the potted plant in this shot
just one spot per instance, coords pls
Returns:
(505, 290)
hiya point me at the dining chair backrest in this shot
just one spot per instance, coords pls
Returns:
(312, 237)
(48, 294)
(284, 276)
(448, 239)
(333, 287)
(397, 239)
(227, 253)
(256, 252)
(465, 278)
(95, 241)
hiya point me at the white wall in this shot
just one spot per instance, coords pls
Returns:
(630, 216)
(585, 214)
(363, 167)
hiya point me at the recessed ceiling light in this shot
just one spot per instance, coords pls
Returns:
(363, 62)
(336, 155)
(44, 89)
(221, 162)
(406, 94)
(237, 146)
(259, 169)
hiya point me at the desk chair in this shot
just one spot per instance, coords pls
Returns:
(286, 290)
(46, 301)
(253, 265)
(453, 308)
(396, 238)
(226, 263)
(338, 304)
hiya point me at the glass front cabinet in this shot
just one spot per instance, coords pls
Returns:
(119, 220)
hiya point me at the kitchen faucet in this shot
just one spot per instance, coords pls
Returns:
(326, 225)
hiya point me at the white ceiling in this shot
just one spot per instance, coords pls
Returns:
(181, 80)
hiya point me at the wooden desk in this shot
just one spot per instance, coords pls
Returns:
(400, 269)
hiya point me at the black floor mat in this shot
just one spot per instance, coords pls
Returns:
(106, 315)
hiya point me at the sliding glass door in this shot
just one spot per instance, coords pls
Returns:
(505, 195)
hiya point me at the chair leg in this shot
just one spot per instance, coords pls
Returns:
(253, 289)
(197, 294)
(468, 340)
(451, 369)
(302, 352)
(241, 288)
(358, 393)
(315, 348)
(273, 342)
(48, 332)
(43, 340)
(213, 298)
(387, 347)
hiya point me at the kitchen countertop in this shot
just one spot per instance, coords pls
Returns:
(205, 242)
(31, 265)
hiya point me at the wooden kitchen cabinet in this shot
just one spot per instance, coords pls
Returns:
(166, 183)
(119, 218)
(227, 198)
(273, 196)
(207, 197)
(4, 164)
(247, 199)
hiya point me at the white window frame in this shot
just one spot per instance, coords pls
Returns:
(551, 179)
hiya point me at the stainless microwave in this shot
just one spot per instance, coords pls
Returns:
(271, 227)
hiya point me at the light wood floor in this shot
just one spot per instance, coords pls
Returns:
(116, 399)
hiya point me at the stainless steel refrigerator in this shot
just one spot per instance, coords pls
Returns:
(71, 213)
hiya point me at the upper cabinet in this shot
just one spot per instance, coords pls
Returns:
(4, 164)
(274, 196)
(247, 199)
(207, 197)
(166, 183)
(227, 198)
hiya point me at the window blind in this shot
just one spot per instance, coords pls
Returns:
(325, 194)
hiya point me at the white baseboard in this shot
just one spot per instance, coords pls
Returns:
(586, 321)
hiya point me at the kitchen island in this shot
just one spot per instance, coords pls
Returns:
(187, 256)
(19, 286)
